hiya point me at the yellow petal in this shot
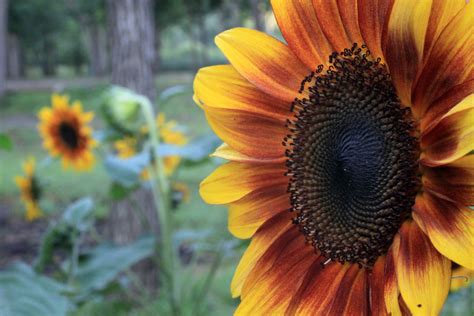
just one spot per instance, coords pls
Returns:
(234, 180)
(264, 61)
(423, 274)
(449, 227)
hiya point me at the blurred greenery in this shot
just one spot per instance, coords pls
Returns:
(18, 121)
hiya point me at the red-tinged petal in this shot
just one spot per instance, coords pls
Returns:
(423, 274)
(376, 282)
(253, 135)
(449, 227)
(264, 61)
(372, 18)
(302, 32)
(339, 23)
(222, 87)
(226, 152)
(265, 236)
(391, 292)
(318, 292)
(454, 181)
(449, 63)
(460, 95)
(277, 275)
(442, 12)
(352, 297)
(234, 180)
(451, 139)
(405, 40)
(249, 213)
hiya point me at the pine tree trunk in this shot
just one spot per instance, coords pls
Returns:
(132, 30)
(258, 14)
(3, 45)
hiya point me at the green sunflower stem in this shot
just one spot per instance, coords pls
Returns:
(160, 190)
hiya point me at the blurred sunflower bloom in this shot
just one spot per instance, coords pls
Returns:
(66, 133)
(349, 155)
(30, 190)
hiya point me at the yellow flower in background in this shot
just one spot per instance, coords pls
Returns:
(126, 147)
(66, 133)
(180, 193)
(349, 163)
(168, 132)
(30, 190)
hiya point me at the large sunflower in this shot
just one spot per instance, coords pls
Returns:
(66, 132)
(349, 155)
(30, 190)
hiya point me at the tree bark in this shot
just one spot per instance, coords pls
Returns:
(3, 45)
(132, 30)
(13, 57)
(257, 13)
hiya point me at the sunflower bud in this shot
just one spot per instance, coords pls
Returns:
(121, 109)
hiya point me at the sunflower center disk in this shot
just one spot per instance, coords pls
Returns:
(352, 159)
(69, 135)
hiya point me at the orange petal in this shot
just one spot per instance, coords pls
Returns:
(352, 297)
(376, 281)
(391, 292)
(423, 274)
(222, 87)
(317, 294)
(451, 139)
(405, 43)
(261, 241)
(226, 152)
(249, 213)
(339, 22)
(449, 227)
(264, 61)
(302, 32)
(372, 17)
(454, 181)
(450, 62)
(234, 180)
(276, 277)
(253, 135)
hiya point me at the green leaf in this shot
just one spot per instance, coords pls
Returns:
(126, 171)
(79, 214)
(106, 262)
(5, 142)
(25, 293)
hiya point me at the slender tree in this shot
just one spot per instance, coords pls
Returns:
(3, 45)
(132, 32)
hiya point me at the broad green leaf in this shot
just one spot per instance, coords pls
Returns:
(127, 171)
(105, 262)
(25, 293)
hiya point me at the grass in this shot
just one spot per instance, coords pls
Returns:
(18, 120)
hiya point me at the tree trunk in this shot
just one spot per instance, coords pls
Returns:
(257, 13)
(3, 45)
(97, 51)
(132, 30)
(130, 27)
(13, 57)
